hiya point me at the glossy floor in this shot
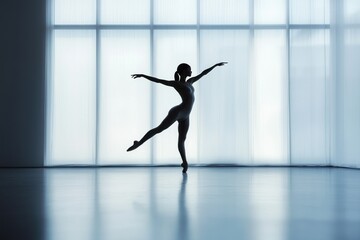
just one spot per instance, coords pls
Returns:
(162, 203)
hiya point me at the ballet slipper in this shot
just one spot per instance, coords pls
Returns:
(185, 167)
(134, 146)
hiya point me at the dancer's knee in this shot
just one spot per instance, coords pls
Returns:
(182, 138)
(181, 143)
(155, 131)
(162, 127)
(159, 130)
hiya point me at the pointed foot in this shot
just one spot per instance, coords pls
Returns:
(184, 166)
(134, 146)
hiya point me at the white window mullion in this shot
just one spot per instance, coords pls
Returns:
(97, 81)
(251, 82)
(288, 76)
(152, 87)
(199, 65)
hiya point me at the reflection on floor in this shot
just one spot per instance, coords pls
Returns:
(162, 203)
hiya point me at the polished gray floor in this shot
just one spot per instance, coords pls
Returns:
(162, 203)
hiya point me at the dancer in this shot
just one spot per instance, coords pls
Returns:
(180, 112)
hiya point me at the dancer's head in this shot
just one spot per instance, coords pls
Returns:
(184, 70)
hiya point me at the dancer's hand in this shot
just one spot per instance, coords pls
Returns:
(136, 75)
(221, 64)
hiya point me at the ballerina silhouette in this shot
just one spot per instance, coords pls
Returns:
(180, 112)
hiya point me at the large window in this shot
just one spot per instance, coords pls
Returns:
(268, 106)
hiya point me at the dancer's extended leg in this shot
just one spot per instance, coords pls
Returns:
(183, 129)
(167, 122)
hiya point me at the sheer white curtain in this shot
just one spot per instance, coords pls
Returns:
(71, 98)
(223, 98)
(289, 95)
(309, 96)
(347, 112)
(124, 105)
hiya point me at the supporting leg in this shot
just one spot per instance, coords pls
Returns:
(183, 129)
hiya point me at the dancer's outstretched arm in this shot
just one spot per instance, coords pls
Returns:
(196, 78)
(154, 79)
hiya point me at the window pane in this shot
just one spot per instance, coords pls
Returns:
(352, 11)
(223, 101)
(309, 61)
(124, 102)
(309, 11)
(224, 12)
(270, 98)
(175, 11)
(74, 11)
(72, 98)
(270, 11)
(173, 47)
(349, 100)
(125, 12)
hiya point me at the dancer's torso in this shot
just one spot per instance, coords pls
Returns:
(186, 91)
